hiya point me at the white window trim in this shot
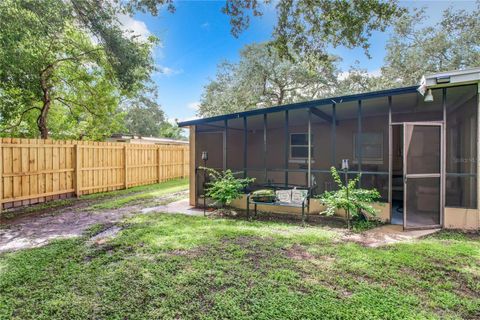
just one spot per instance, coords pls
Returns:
(299, 159)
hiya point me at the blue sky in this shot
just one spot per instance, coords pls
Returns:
(197, 37)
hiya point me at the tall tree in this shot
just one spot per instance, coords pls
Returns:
(415, 49)
(304, 28)
(263, 78)
(309, 28)
(144, 116)
(70, 55)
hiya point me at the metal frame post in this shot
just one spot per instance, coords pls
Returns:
(287, 146)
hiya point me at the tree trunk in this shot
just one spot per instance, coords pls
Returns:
(42, 118)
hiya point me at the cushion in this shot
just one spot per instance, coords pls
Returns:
(263, 195)
(284, 195)
(298, 195)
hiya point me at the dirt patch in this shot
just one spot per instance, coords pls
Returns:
(298, 252)
(60, 223)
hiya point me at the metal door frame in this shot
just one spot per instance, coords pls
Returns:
(440, 175)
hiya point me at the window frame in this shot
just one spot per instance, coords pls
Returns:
(365, 160)
(291, 145)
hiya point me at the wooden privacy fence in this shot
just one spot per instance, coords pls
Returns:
(34, 170)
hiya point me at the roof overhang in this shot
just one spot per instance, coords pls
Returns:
(451, 78)
(301, 105)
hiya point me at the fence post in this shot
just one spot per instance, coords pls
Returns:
(77, 170)
(125, 167)
(158, 164)
(183, 162)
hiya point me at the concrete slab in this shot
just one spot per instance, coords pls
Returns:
(387, 234)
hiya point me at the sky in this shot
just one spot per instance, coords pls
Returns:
(196, 38)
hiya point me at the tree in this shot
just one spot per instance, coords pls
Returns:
(309, 28)
(144, 117)
(414, 49)
(66, 55)
(172, 131)
(304, 28)
(262, 78)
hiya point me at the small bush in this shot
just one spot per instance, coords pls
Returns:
(349, 197)
(224, 187)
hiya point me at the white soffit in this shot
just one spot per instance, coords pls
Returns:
(450, 78)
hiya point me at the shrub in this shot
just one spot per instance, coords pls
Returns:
(224, 187)
(358, 200)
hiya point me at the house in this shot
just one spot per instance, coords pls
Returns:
(419, 151)
(143, 140)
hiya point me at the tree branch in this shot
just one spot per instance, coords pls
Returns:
(21, 118)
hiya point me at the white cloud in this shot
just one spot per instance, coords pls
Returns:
(194, 105)
(167, 71)
(136, 27)
(205, 25)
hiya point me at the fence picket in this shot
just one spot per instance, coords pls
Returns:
(35, 170)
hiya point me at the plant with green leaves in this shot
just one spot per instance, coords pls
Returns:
(224, 187)
(349, 197)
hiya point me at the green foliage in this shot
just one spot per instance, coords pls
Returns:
(349, 197)
(172, 131)
(144, 117)
(416, 49)
(65, 66)
(224, 187)
(310, 28)
(262, 78)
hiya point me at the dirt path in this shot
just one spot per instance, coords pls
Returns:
(38, 229)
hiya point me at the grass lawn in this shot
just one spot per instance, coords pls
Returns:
(180, 267)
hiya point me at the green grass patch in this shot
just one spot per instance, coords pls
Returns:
(163, 266)
(120, 198)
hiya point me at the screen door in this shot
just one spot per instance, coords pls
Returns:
(422, 175)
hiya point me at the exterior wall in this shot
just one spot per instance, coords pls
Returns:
(315, 208)
(461, 218)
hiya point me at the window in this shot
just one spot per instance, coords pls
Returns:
(299, 145)
(371, 147)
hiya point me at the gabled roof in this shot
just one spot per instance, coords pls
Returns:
(305, 104)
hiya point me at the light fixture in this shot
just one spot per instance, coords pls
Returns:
(429, 96)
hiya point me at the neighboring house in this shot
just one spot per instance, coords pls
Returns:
(419, 151)
(144, 140)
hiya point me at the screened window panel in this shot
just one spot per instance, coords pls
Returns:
(372, 144)
(276, 142)
(235, 144)
(347, 127)
(378, 182)
(411, 107)
(255, 144)
(298, 153)
(322, 137)
(461, 129)
(461, 147)
(461, 191)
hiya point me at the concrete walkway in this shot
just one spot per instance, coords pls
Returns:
(387, 234)
(180, 206)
